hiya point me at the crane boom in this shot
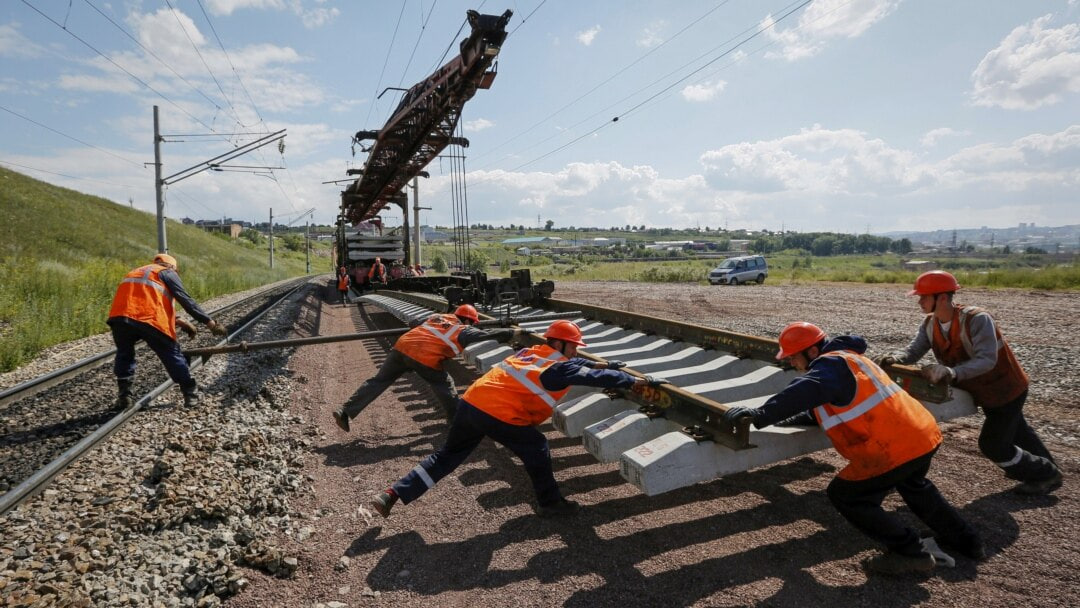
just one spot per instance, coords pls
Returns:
(424, 121)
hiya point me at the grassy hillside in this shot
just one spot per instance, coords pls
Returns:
(62, 254)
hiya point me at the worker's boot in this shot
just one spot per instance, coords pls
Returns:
(192, 396)
(1041, 487)
(559, 509)
(383, 501)
(124, 398)
(342, 419)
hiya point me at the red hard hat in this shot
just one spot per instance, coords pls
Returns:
(566, 331)
(934, 282)
(798, 337)
(466, 311)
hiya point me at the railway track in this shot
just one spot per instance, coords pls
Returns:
(672, 436)
(50, 421)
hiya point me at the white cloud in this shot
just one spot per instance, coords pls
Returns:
(227, 7)
(311, 18)
(264, 70)
(650, 36)
(14, 44)
(931, 138)
(1033, 66)
(703, 91)
(478, 125)
(826, 20)
(588, 35)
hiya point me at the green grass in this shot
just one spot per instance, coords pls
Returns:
(62, 254)
(1017, 270)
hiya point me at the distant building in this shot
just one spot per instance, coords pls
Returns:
(233, 230)
(533, 240)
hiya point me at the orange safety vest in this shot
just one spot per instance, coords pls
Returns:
(1005, 382)
(377, 269)
(432, 342)
(511, 390)
(882, 428)
(143, 296)
(343, 282)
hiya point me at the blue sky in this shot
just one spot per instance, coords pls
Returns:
(844, 115)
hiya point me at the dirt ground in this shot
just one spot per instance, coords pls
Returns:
(767, 537)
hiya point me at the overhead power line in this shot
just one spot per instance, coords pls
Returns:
(389, 49)
(152, 54)
(75, 139)
(235, 73)
(120, 67)
(85, 179)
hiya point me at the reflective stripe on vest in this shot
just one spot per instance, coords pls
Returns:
(521, 375)
(882, 428)
(432, 342)
(142, 296)
(884, 391)
(448, 337)
(511, 390)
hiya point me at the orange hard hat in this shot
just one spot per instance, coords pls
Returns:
(798, 337)
(466, 311)
(566, 331)
(934, 282)
(165, 258)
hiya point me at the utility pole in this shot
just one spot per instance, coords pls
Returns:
(271, 238)
(416, 214)
(307, 245)
(162, 246)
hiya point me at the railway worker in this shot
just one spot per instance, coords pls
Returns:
(343, 286)
(422, 350)
(142, 309)
(886, 435)
(506, 404)
(377, 273)
(972, 354)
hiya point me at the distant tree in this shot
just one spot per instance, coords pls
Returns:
(477, 261)
(548, 224)
(628, 228)
(1035, 250)
(1006, 250)
(293, 242)
(254, 236)
(439, 263)
(902, 247)
(823, 245)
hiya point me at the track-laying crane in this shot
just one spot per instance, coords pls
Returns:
(423, 123)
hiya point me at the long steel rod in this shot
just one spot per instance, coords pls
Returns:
(43, 476)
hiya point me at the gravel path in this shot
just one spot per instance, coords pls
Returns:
(257, 497)
(766, 537)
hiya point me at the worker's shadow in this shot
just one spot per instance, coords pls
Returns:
(792, 536)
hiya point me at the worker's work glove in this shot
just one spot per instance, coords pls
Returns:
(938, 373)
(216, 328)
(187, 328)
(886, 360)
(649, 381)
(737, 413)
(615, 364)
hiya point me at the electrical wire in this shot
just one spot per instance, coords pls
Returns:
(606, 80)
(120, 67)
(85, 179)
(374, 96)
(75, 139)
(152, 54)
(235, 73)
(423, 28)
(206, 65)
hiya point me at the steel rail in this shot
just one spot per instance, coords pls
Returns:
(36, 385)
(701, 417)
(39, 480)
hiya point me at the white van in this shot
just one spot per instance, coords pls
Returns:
(740, 270)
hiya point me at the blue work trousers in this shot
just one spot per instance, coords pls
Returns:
(127, 334)
(395, 365)
(860, 503)
(467, 430)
